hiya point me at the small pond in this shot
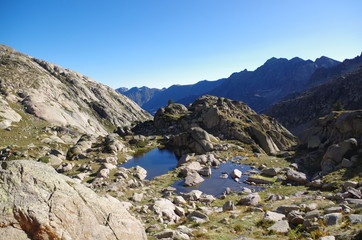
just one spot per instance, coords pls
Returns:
(214, 185)
(157, 162)
(160, 161)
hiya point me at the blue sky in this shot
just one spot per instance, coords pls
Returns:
(158, 43)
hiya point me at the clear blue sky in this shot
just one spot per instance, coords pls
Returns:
(158, 43)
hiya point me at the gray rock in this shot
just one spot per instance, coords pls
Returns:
(167, 233)
(273, 216)
(284, 209)
(236, 173)
(333, 210)
(280, 227)
(297, 176)
(335, 153)
(137, 197)
(193, 179)
(259, 180)
(179, 200)
(165, 209)
(103, 173)
(311, 207)
(54, 206)
(327, 238)
(355, 218)
(332, 218)
(139, 172)
(65, 167)
(312, 214)
(346, 163)
(197, 217)
(205, 171)
(228, 206)
(348, 184)
(270, 171)
(251, 199)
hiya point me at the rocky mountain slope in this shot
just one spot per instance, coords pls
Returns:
(259, 89)
(195, 127)
(60, 96)
(343, 91)
(140, 95)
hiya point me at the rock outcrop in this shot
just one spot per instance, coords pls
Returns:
(61, 96)
(38, 203)
(341, 92)
(197, 127)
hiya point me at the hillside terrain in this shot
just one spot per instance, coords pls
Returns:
(140, 95)
(338, 92)
(64, 139)
(60, 96)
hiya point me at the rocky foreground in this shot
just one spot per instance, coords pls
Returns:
(74, 133)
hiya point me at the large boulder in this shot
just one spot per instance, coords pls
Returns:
(335, 153)
(39, 203)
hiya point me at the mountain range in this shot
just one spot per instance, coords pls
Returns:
(268, 84)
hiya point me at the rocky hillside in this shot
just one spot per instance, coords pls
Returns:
(60, 96)
(268, 84)
(342, 92)
(140, 95)
(194, 129)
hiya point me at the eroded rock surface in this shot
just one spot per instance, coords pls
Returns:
(38, 203)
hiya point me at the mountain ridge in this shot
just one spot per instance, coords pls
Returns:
(272, 81)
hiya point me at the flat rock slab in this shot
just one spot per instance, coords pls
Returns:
(280, 226)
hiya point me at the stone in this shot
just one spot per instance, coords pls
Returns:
(280, 226)
(179, 211)
(259, 180)
(49, 205)
(65, 167)
(311, 207)
(224, 176)
(312, 214)
(205, 171)
(327, 238)
(270, 171)
(333, 210)
(228, 206)
(335, 153)
(355, 218)
(179, 200)
(348, 184)
(165, 209)
(193, 179)
(295, 218)
(284, 209)
(297, 176)
(137, 197)
(273, 216)
(250, 199)
(103, 173)
(206, 198)
(332, 218)
(167, 233)
(139, 172)
(236, 173)
(346, 163)
(198, 217)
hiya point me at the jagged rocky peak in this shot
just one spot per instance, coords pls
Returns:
(225, 119)
(61, 96)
